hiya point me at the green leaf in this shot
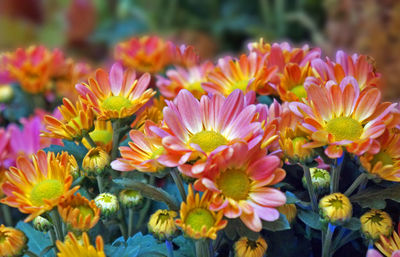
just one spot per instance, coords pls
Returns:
(310, 218)
(277, 225)
(375, 197)
(77, 150)
(38, 241)
(291, 198)
(353, 224)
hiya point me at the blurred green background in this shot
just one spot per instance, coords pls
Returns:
(88, 29)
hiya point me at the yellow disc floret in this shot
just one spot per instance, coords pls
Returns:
(344, 128)
(48, 189)
(208, 140)
(299, 91)
(234, 184)
(116, 103)
(199, 217)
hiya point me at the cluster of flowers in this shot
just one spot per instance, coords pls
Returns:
(210, 127)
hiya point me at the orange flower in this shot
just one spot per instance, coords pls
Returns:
(101, 135)
(291, 86)
(73, 247)
(37, 187)
(153, 112)
(13, 242)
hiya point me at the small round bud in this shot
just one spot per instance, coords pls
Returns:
(162, 225)
(289, 210)
(320, 180)
(131, 198)
(336, 207)
(107, 203)
(375, 223)
(95, 161)
(42, 224)
(246, 247)
(6, 93)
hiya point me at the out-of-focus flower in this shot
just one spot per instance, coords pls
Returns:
(246, 247)
(142, 153)
(6, 93)
(240, 181)
(291, 86)
(289, 210)
(13, 242)
(339, 116)
(79, 213)
(197, 220)
(162, 225)
(145, 54)
(95, 161)
(153, 112)
(77, 120)
(386, 163)
(375, 223)
(336, 207)
(185, 56)
(197, 129)
(37, 187)
(42, 224)
(107, 203)
(248, 73)
(320, 180)
(101, 135)
(130, 198)
(73, 247)
(117, 95)
(390, 247)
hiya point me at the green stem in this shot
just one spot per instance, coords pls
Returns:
(53, 239)
(359, 180)
(90, 140)
(55, 218)
(328, 240)
(179, 183)
(116, 125)
(131, 214)
(310, 189)
(122, 224)
(146, 207)
(31, 254)
(7, 215)
(202, 249)
(336, 169)
(100, 183)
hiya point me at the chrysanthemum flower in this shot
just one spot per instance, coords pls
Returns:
(144, 54)
(270, 118)
(152, 112)
(72, 247)
(386, 163)
(375, 223)
(95, 161)
(101, 135)
(248, 73)
(118, 95)
(390, 247)
(291, 85)
(79, 213)
(336, 207)
(190, 78)
(239, 182)
(142, 152)
(184, 56)
(197, 220)
(162, 225)
(289, 210)
(339, 116)
(199, 129)
(108, 204)
(12, 242)
(246, 247)
(76, 120)
(37, 187)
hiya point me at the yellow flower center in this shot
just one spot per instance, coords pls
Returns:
(208, 140)
(336, 203)
(344, 128)
(299, 140)
(242, 85)
(85, 211)
(48, 189)
(299, 91)
(383, 157)
(199, 217)
(72, 124)
(103, 136)
(195, 86)
(159, 151)
(116, 103)
(234, 184)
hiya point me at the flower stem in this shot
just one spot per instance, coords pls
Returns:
(328, 240)
(115, 125)
(131, 214)
(55, 218)
(146, 207)
(7, 215)
(100, 183)
(202, 249)
(310, 189)
(122, 223)
(53, 240)
(336, 169)
(90, 140)
(359, 180)
(179, 183)
(170, 248)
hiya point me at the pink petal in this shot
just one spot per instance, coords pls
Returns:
(252, 221)
(263, 167)
(268, 196)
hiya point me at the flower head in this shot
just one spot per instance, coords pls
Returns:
(107, 203)
(320, 179)
(37, 187)
(197, 220)
(162, 224)
(375, 223)
(101, 135)
(153, 113)
(289, 210)
(336, 207)
(239, 182)
(246, 247)
(131, 198)
(95, 161)
(390, 247)
(72, 247)
(13, 242)
(79, 213)
(117, 95)
(291, 85)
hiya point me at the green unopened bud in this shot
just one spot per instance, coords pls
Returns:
(42, 224)
(131, 198)
(108, 204)
(320, 180)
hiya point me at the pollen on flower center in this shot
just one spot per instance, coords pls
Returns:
(208, 140)
(47, 189)
(157, 152)
(196, 85)
(85, 211)
(299, 91)
(199, 217)
(383, 157)
(344, 128)
(103, 136)
(242, 85)
(234, 184)
(116, 103)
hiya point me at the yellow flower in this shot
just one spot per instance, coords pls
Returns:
(291, 142)
(245, 247)
(77, 120)
(73, 247)
(153, 113)
(375, 223)
(336, 207)
(196, 220)
(162, 225)
(289, 210)
(79, 213)
(6, 93)
(388, 246)
(95, 161)
(38, 186)
(101, 135)
(12, 242)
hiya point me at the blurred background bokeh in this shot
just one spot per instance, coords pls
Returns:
(88, 29)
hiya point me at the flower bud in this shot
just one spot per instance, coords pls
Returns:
(41, 224)
(320, 179)
(336, 207)
(375, 223)
(13, 242)
(108, 204)
(162, 225)
(131, 198)
(289, 210)
(95, 161)
(245, 247)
